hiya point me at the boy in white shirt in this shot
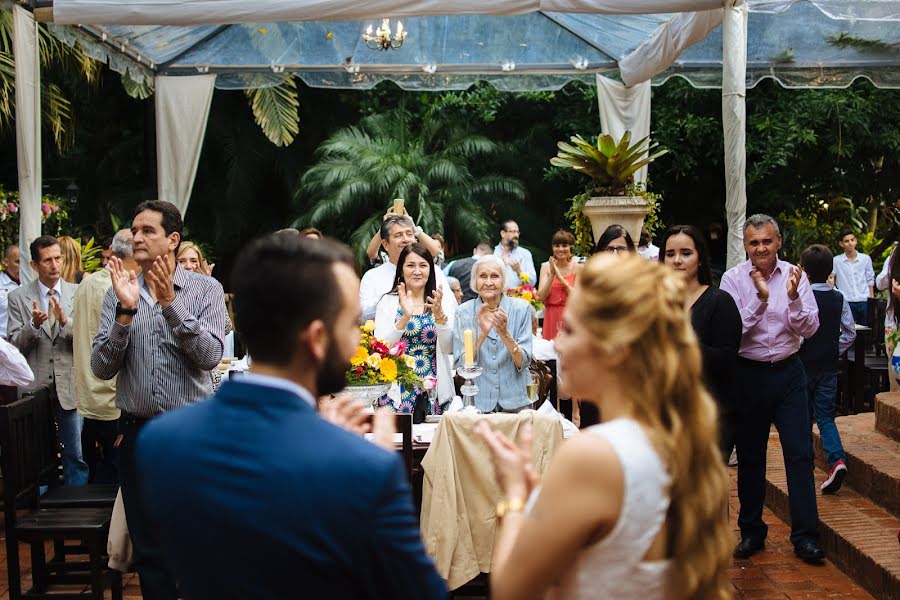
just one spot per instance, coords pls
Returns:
(854, 276)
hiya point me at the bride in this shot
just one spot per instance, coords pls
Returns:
(633, 508)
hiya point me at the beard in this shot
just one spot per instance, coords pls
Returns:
(332, 377)
(512, 243)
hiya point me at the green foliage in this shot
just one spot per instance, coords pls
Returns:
(54, 215)
(275, 110)
(90, 255)
(581, 225)
(845, 40)
(610, 164)
(436, 164)
(822, 223)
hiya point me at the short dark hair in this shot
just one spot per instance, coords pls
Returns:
(612, 232)
(704, 272)
(306, 231)
(8, 250)
(484, 247)
(106, 242)
(291, 278)
(562, 237)
(505, 225)
(845, 232)
(171, 216)
(45, 241)
(817, 262)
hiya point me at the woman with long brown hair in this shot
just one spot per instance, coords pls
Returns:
(633, 508)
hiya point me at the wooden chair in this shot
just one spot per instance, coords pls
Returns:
(545, 379)
(24, 440)
(404, 425)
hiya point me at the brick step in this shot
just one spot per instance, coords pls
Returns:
(858, 536)
(887, 414)
(873, 460)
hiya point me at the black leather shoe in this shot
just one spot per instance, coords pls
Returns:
(809, 552)
(748, 547)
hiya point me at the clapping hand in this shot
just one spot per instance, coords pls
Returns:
(406, 300)
(37, 315)
(485, 319)
(895, 289)
(58, 312)
(433, 303)
(160, 280)
(207, 268)
(500, 321)
(793, 283)
(346, 413)
(124, 284)
(513, 465)
(762, 289)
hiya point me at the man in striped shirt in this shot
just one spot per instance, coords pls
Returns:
(161, 332)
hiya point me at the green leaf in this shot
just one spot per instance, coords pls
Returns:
(275, 110)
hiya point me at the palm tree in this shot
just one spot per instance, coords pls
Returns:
(65, 61)
(435, 165)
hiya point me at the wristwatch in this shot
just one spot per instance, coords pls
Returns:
(121, 310)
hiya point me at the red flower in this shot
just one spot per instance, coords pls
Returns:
(358, 371)
(379, 347)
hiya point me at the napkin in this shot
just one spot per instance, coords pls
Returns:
(455, 405)
(568, 426)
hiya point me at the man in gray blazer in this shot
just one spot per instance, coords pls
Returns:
(40, 326)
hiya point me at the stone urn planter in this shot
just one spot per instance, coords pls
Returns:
(627, 211)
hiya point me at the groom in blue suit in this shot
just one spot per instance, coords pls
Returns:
(254, 494)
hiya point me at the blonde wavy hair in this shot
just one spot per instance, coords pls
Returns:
(185, 246)
(71, 252)
(626, 302)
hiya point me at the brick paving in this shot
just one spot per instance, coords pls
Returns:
(773, 573)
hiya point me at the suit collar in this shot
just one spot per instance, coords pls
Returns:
(241, 391)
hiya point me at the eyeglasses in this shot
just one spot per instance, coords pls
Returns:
(616, 249)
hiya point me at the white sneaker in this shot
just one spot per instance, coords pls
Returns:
(835, 478)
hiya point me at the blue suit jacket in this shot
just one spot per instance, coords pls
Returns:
(256, 496)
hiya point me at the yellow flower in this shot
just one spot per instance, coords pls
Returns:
(388, 369)
(369, 327)
(526, 296)
(374, 361)
(524, 277)
(359, 357)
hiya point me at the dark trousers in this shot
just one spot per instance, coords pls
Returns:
(860, 312)
(157, 582)
(775, 394)
(98, 445)
(727, 431)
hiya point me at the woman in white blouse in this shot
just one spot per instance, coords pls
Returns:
(415, 311)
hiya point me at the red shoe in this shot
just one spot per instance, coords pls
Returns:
(835, 478)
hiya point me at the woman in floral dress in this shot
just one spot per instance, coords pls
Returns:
(416, 311)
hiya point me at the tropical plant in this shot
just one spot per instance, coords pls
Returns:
(58, 61)
(54, 215)
(610, 165)
(90, 255)
(438, 166)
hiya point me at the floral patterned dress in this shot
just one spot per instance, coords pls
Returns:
(421, 339)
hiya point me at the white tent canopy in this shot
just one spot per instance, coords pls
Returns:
(513, 44)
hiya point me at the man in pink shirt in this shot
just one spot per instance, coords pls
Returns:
(777, 309)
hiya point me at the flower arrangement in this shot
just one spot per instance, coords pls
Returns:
(526, 292)
(54, 216)
(374, 362)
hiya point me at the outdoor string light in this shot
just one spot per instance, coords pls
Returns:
(382, 38)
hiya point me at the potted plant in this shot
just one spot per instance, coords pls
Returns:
(612, 196)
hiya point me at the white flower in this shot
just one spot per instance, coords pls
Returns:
(374, 361)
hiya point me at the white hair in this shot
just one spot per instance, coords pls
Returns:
(759, 220)
(121, 244)
(488, 260)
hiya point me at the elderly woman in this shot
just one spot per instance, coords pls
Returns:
(501, 328)
(456, 288)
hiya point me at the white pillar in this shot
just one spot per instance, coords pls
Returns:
(734, 119)
(182, 108)
(28, 133)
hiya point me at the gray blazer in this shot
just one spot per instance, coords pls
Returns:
(49, 354)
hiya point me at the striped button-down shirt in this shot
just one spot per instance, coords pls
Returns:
(163, 358)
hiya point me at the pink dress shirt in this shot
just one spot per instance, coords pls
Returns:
(772, 330)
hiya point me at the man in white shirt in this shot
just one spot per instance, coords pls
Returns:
(646, 249)
(397, 232)
(9, 280)
(854, 276)
(519, 264)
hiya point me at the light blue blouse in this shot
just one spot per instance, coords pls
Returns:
(500, 382)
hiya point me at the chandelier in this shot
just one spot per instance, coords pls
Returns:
(382, 39)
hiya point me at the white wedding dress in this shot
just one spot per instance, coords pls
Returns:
(613, 568)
